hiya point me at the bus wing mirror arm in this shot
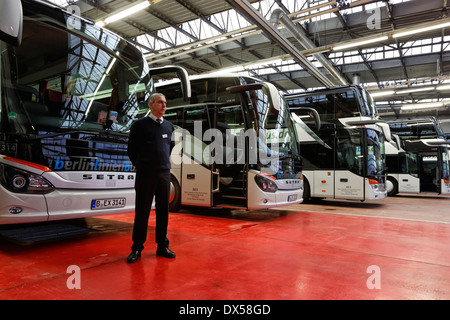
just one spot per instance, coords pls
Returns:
(181, 74)
(386, 131)
(313, 114)
(11, 21)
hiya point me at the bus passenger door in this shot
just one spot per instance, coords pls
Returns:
(229, 165)
(349, 183)
(408, 183)
(196, 176)
(429, 173)
(195, 185)
(408, 178)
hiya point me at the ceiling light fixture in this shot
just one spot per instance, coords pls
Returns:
(443, 87)
(416, 106)
(407, 31)
(382, 93)
(422, 29)
(359, 43)
(411, 90)
(124, 13)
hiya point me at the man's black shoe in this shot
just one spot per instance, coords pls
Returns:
(134, 256)
(165, 252)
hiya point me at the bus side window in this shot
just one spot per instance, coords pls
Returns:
(51, 98)
(196, 117)
(175, 117)
(222, 94)
(27, 94)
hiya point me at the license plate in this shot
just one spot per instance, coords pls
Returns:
(107, 203)
(292, 197)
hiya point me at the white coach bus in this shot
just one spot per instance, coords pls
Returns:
(69, 94)
(239, 147)
(418, 160)
(345, 159)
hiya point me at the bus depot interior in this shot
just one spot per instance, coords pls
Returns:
(311, 152)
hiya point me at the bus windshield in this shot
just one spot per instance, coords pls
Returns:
(274, 125)
(446, 164)
(408, 164)
(414, 129)
(375, 154)
(63, 80)
(344, 102)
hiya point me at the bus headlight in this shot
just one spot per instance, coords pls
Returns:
(377, 186)
(20, 181)
(266, 184)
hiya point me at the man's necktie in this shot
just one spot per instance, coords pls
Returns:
(159, 121)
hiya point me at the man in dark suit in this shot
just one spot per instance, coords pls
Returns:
(149, 147)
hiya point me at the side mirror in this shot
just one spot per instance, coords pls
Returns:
(304, 133)
(11, 21)
(181, 74)
(386, 131)
(312, 113)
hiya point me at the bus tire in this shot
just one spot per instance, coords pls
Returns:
(391, 186)
(306, 191)
(175, 195)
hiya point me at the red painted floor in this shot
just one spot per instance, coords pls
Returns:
(306, 251)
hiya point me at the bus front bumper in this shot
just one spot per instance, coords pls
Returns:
(64, 204)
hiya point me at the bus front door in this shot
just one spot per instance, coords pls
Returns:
(429, 173)
(196, 176)
(349, 183)
(230, 168)
(196, 170)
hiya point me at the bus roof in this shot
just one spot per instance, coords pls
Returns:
(415, 120)
(206, 76)
(322, 90)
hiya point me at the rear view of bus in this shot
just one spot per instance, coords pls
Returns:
(69, 94)
(345, 159)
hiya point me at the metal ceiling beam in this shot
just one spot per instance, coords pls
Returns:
(364, 58)
(393, 26)
(247, 10)
(279, 16)
(207, 20)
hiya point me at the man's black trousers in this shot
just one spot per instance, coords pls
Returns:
(149, 184)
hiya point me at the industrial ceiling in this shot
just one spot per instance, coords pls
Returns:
(399, 50)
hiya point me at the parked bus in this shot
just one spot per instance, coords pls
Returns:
(69, 94)
(239, 146)
(418, 160)
(345, 159)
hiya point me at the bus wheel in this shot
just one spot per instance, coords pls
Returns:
(175, 195)
(391, 186)
(306, 191)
